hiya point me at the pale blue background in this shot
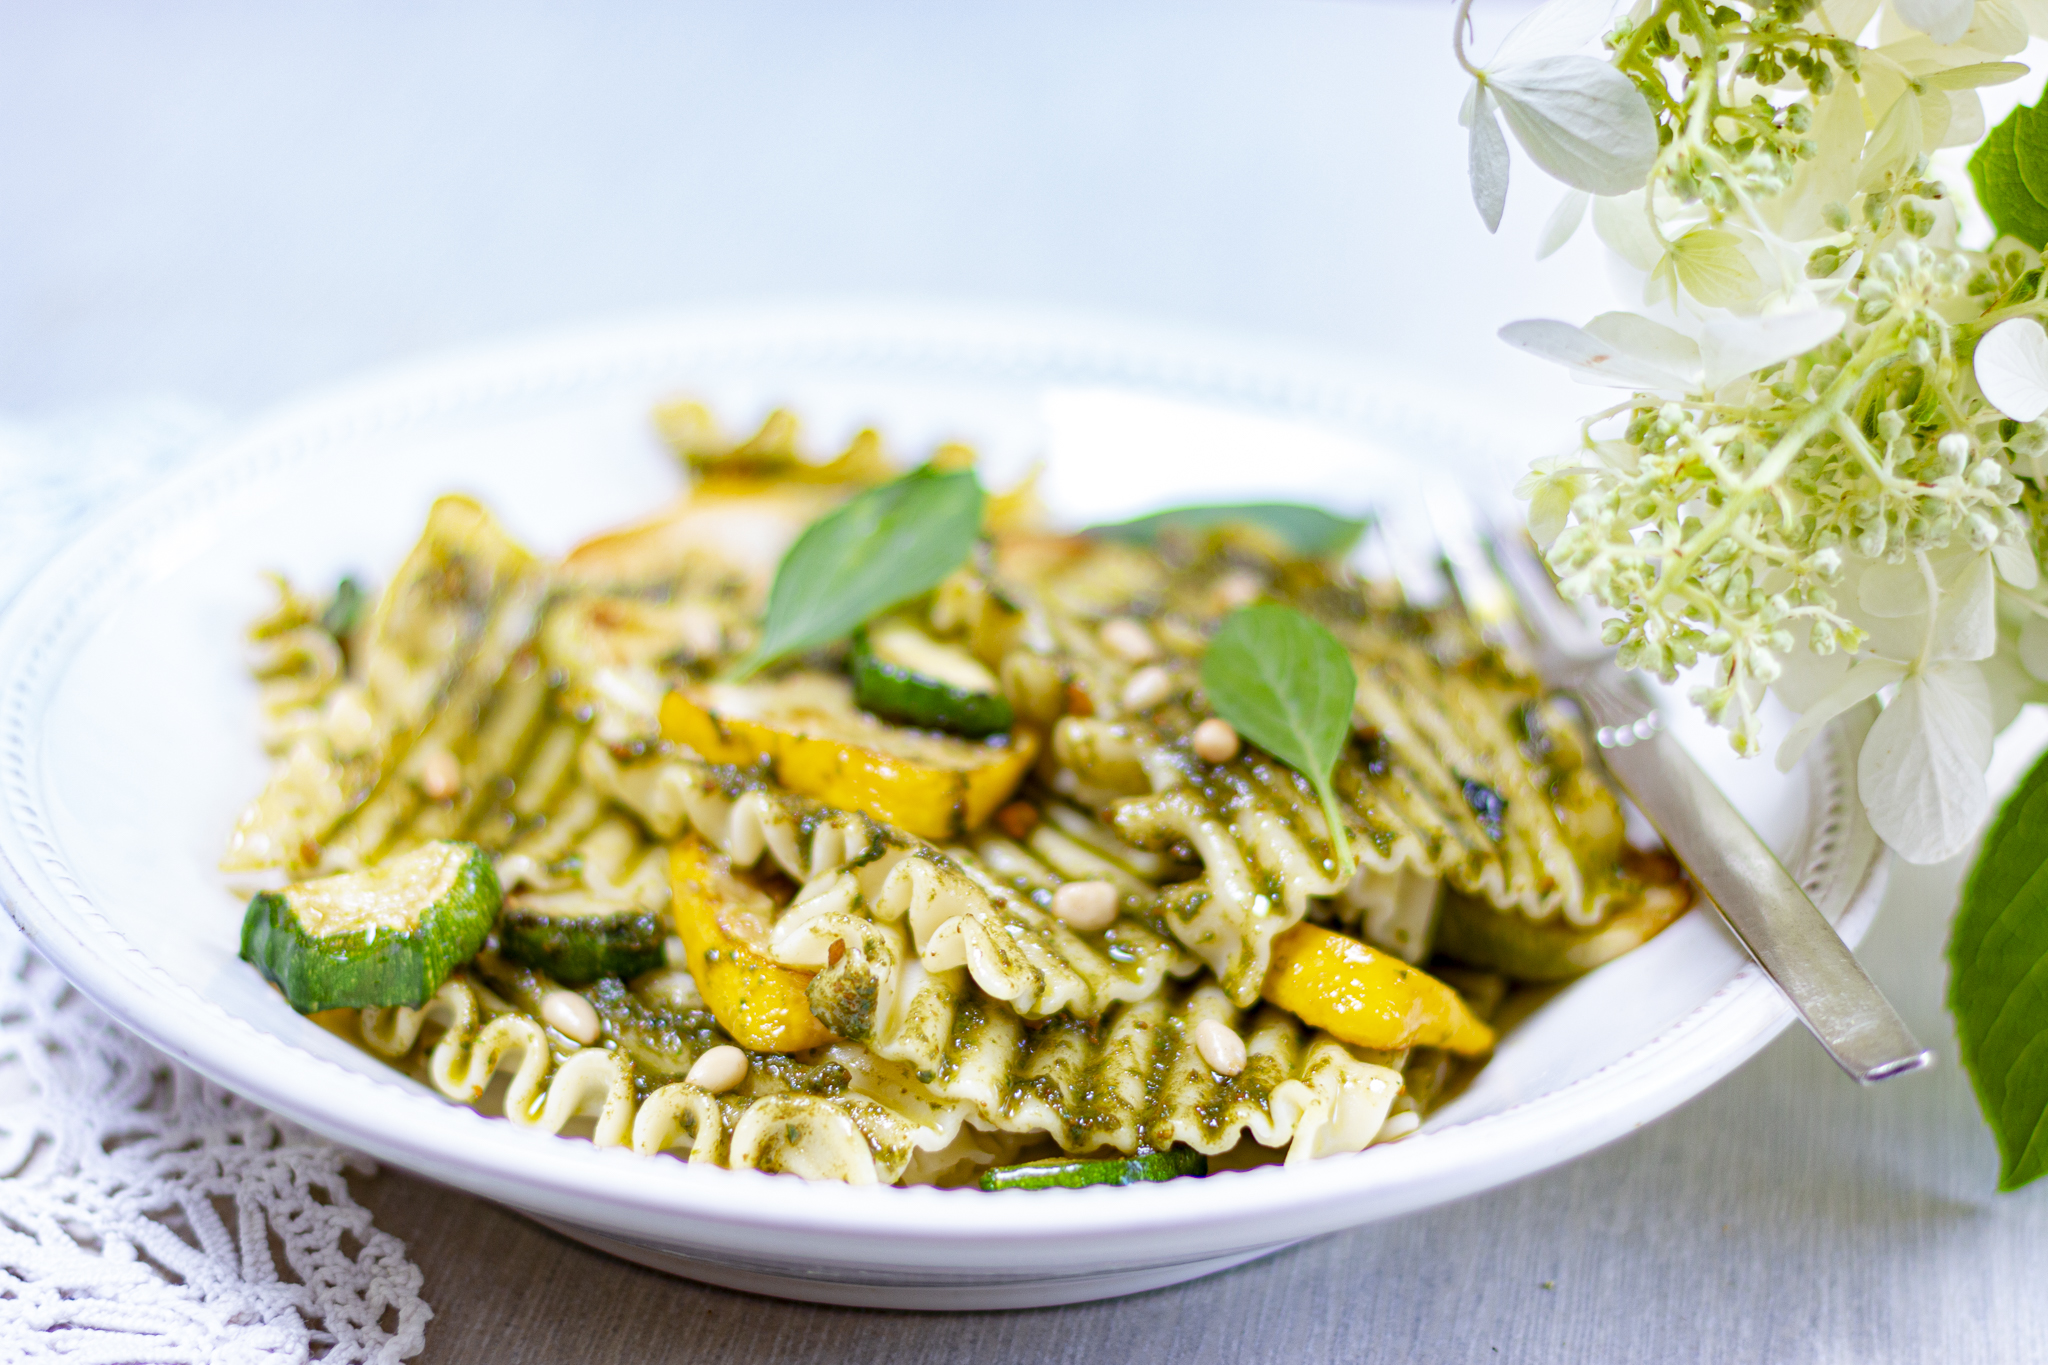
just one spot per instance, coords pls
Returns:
(235, 200)
(228, 202)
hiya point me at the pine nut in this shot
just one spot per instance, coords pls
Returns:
(1147, 688)
(440, 775)
(718, 1070)
(569, 1014)
(1220, 1047)
(1086, 906)
(1128, 640)
(1238, 589)
(1215, 741)
(675, 953)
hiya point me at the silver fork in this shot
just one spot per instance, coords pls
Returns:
(1509, 594)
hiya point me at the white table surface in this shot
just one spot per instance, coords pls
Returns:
(233, 201)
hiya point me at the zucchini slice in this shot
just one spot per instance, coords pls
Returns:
(576, 937)
(1068, 1172)
(902, 674)
(1473, 932)
(388, 935)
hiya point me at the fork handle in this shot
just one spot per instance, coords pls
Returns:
(1775, 919)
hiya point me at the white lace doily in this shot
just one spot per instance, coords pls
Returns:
(146, 1214)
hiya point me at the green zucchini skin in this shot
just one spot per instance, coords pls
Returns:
(360, 968)
(578, 949)
(1072, 1173)
(1472, 932)
(896, 693)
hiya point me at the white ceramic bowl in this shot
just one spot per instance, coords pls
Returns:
(127, 746)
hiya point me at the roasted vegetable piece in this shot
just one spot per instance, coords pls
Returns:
(1474, 932)
(388, 935)
(577, 938)
(819, 744)
(1067, 1172)
(1366, 997)
(723, 922)
(902, 674)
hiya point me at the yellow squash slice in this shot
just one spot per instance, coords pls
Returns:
(1366, 997)
(723, 922)
(820, 745)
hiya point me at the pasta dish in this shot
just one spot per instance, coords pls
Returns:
(846, 821)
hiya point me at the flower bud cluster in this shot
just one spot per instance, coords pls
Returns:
(1834, 464)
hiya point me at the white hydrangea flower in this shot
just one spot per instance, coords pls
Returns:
(1807, 491)
(2011, 366)
(1932, 619)
(1630, 351)
(1577, 117)
(1945, 21)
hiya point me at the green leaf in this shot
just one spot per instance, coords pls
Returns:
(2030, 149)
(2001, 182)
(1287, 686)
(1998, 980)
(1308, 531)
(887, 545)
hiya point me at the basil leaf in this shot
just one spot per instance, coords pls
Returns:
(889, 544)
(1999, 170)
(1998, 980)
(1287, 686)
(1308, 531)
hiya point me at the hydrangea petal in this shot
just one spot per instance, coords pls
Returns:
(1743, 345)
(1804, 677)
(1973, 77)
(1966, 626)
(1590, 356)
(1891, 591)
(2016, 563)
(1488, 162)
(1564, 220)
(1850, 17)
(2009, 686)
(1921, 772)
(1550, 487)
(1945, 21)
(1965, 119)
(2012, 368)
(1866, 678)
(1894, 143)
(1623, 223)
(1829, 177)
(1580, 120)
(1671, 351)
(1553, 29)
(2033, 647)
(1708, 263)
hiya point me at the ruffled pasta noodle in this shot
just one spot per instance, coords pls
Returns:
(970, 1024)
